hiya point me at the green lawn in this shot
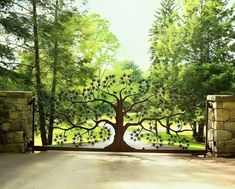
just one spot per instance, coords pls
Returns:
(191, 144)
(150, 139)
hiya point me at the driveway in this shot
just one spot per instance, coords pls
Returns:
(91, 170)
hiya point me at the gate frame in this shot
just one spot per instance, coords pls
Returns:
(55, 148)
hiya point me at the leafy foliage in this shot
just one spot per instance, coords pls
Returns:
(192, 32)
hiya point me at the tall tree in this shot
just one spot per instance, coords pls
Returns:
(54, 78)
(166, 45)
(203, 34)
(51, 39)
(127, 66)
(209, 32)
(165, 76)
(165, 34)
(15, 33)
(59, 38)
(97, 43)
(66, 54)
(200, 32)
(39, 88)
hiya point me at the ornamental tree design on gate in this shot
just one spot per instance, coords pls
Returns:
(116, 102)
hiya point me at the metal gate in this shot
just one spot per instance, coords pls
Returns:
(123, 119)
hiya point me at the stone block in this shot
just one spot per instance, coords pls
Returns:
(5, 115)
(23, 101)
(229, 105)
(230, 126)
(6, 126)
(10, 148)
(218, 104)
(1, 121)
(211, 116)
(211, 144)
(221, 115)
(220, 145)
(15, 147)
(218, 125)
(24, 124)
(10, 137)
(3, 94)
(19, 136)
(229, 148)
(232, 114)
(11, 101)
(3, 138)
(230, 142)
(15, 125)
(222, 135)
(23, 115)
(14, 115)
(23, 107)
(210, 124)
(1, 108)
(210, 134)
(2, 147)
(11, 107)
(16, 94)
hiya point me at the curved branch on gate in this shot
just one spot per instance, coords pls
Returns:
(74, 126)
(130, 95)
(120, 92)
(175, 131)
(136, 103)
(110, 94)
(95, 99)
(143, 128)
(139, 123)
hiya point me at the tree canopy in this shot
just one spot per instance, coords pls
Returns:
(51, 46)
(192, 53)
(59, 49)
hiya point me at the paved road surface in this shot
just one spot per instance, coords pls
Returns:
(91, 170)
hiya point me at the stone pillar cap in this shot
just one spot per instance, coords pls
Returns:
(225, 98)
(16, 94)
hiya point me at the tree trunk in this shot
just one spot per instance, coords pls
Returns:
(200, 133)
(39, 90)
(54, 83)
(118, 143)
(194, 128)
(168, 126)
(52, 101)
(156, 128)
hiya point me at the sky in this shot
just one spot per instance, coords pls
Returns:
(130, 21)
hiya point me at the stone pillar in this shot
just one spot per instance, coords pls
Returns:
(221, 125)
(15, 121)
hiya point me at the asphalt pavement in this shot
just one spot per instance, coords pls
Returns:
(92, 170)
